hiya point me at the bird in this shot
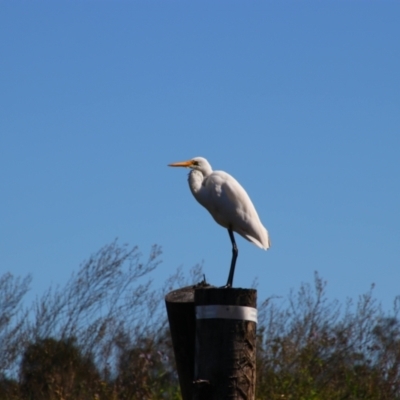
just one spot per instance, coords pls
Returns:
(228, 203)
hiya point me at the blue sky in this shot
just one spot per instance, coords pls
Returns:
(299, 101)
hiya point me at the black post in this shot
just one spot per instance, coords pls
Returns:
(181, 317)
(182, 324)
(225, 358)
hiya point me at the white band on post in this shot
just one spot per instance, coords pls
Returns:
(227, 312)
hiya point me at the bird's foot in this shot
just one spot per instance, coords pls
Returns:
(227, 286)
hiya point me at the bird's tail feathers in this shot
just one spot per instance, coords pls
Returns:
(263, 242)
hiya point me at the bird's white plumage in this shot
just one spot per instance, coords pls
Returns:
(226, 200)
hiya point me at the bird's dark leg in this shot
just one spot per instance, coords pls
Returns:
(235, 252)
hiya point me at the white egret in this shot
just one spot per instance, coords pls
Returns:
(228, 203)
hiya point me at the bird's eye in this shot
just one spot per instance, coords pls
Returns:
(195, 163)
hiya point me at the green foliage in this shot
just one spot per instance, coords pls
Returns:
(103, 336)
(312, 350)
(144, 374)
(57, 369)
(13, 318)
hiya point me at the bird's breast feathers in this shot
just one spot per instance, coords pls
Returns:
(226, 199)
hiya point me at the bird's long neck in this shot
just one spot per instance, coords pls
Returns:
(196, 179)
(196, 184)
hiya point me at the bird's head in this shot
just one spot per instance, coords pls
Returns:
(197, 163)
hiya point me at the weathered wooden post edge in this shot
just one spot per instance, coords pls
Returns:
(225, 355)
(182, 324)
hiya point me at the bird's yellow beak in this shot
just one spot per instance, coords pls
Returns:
(186, 164)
